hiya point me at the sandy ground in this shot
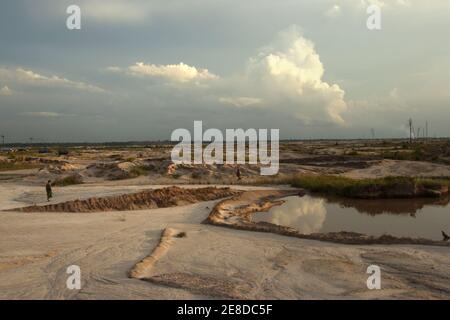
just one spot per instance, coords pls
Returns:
(400, 168)
(210, 262)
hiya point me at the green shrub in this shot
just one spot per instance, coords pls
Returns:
(10, 166)
(139, 171)
(68, 181)
(346, 187)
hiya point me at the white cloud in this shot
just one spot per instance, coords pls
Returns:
(41, 114)
(28, 77)
(289, 72)
(240, 101)
(5, 91)
(113, 69)
(181, 73)
(284, 77)
(334, 11)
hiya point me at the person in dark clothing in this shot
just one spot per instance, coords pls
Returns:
(48, 188)
(238, 173)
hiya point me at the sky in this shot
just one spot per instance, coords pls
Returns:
(139, 69)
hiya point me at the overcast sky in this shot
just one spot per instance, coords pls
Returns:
(137, 70)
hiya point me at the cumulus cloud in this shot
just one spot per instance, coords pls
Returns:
(178, 73)
(289, 73)
(285, 77)
(28, 77)
(5, 91)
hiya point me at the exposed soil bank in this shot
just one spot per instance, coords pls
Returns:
(236, 213)
(148, 199)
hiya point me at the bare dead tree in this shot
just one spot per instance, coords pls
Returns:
(410, 123)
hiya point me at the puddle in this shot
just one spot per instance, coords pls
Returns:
(424, 218)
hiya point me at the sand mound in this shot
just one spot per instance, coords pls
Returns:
(143, 268)
(147, 199)
(201, 284)
(109, 171)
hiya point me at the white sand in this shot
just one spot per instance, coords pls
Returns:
(36, 249)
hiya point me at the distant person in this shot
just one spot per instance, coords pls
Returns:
(48, 188)
(238, 173)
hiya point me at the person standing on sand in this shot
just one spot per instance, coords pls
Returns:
(48, 188)
(238, 173)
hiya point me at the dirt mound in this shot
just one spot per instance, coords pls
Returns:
(109, 171)
(206, 172)
(147, 199)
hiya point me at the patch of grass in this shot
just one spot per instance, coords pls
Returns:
(196, 175)
(418, 152)
(433, 183)
(355, 188)
(116, 157)
(176, 175)
(139, 171)
(351, 153)
(68, 181)
(10, 166)
(352, 188)
(347, 187)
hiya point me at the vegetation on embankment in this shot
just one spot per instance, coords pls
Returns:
(388, 187)
(11, 166)
(431, 152)
(73, 179)
(138, 171)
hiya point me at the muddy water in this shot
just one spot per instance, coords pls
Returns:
(423, 218)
